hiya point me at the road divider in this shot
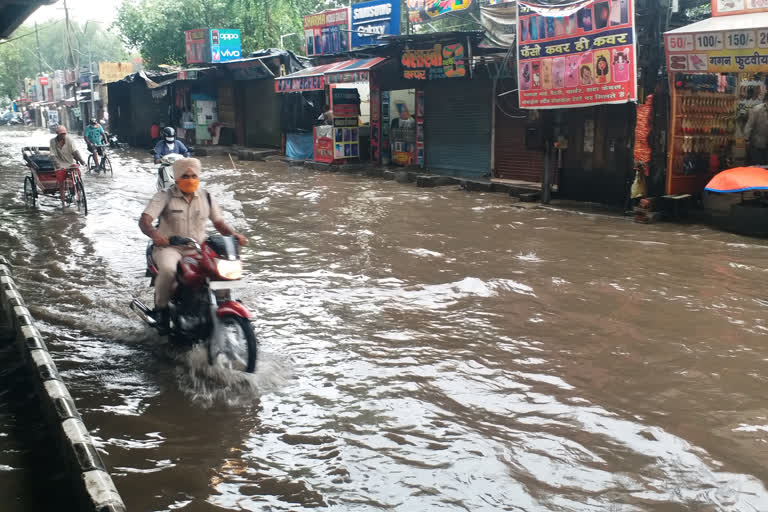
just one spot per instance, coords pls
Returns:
(92, 484)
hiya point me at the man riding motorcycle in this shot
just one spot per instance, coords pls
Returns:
(169, 144)
(183, 210)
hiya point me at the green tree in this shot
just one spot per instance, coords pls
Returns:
(19, 56)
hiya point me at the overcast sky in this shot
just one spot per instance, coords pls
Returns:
(79, 10)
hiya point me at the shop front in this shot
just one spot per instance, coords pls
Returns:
(718, 71)
(442, 122)
(340, 92)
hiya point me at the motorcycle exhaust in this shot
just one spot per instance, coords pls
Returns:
(143, 312)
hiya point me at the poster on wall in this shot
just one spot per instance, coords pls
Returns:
(730, 7)
(327, 33)
(424, 11)
(435, 62)
(373, 19)
(717, 52)
(582, 58)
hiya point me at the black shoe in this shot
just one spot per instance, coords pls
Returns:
(163, 319)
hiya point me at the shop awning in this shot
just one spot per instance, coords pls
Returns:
(725, 23)
(355, 70)
(314, 78)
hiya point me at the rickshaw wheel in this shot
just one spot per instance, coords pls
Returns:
(82, 203)
(29, 191)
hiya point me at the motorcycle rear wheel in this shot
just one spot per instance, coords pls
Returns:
(239, 350)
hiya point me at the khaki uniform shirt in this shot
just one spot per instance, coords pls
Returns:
(756, 130)
(64, 156)
(181, 218)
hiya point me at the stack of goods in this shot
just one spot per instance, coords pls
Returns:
(646, 211)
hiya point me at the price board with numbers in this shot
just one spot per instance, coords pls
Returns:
(717, 51)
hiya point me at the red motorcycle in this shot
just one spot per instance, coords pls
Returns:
(202, 309)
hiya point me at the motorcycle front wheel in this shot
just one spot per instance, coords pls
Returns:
(235, 349)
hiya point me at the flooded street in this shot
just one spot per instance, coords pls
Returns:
(421, 350)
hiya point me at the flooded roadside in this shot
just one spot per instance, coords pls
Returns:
(422, 350)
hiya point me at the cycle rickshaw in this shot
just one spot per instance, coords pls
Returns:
(42, 179)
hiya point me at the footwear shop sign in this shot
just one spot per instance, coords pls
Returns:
(370, 20)
(576, 57)
(435, 62)
(717, 52)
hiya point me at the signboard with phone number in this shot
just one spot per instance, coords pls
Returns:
(738, 50)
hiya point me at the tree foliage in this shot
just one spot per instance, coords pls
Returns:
(156, 29)
(19, 56)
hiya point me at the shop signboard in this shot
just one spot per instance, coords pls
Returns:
(730, 7)
(346, 109)
(424, 11)
(373, 19)
(196, 42)
(226, 44)
(717, 52)
(328, 32)
(114, 71)
(43, 80)
(436, 62)
(584, 57)
(306, 83)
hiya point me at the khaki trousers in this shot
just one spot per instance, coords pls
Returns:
(166, 260)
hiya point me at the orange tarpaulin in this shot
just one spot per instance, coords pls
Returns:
(739, 179)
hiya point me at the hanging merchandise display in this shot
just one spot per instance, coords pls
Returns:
(718, 69)
(577, 57)
(346, 110)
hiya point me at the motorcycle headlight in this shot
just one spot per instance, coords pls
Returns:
(229, 269)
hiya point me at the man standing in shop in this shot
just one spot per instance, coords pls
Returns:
(756, 133)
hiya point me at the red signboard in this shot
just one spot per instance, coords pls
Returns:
(323, 149)
(43, 80)
(328, 32)
(729, 7)
(196, 45)
(581, 58)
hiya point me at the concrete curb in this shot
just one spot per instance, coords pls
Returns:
(93, 485)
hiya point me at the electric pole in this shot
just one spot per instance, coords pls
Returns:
(39, 55)
(72, 55)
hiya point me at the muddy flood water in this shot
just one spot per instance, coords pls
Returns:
(421, 350)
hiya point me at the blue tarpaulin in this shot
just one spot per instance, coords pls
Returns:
(299, 146)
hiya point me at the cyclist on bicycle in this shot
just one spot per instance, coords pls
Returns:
(169, 145)
(94, 136)
(64, 155)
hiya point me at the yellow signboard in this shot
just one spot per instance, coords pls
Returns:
(114, 71)
(718, 52)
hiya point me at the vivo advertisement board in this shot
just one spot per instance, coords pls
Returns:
(226, 44)
(373, 19)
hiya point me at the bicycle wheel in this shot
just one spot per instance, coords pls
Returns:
(29, 192)
(89, 165)
(235, 348)
(82, 203)
(106, 165)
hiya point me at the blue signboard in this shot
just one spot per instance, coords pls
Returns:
(226, 44)
(373, 19)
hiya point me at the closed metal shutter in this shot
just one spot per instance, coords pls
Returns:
(512, 160)
(457, 127)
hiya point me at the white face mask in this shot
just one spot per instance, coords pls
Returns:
(169, 139)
